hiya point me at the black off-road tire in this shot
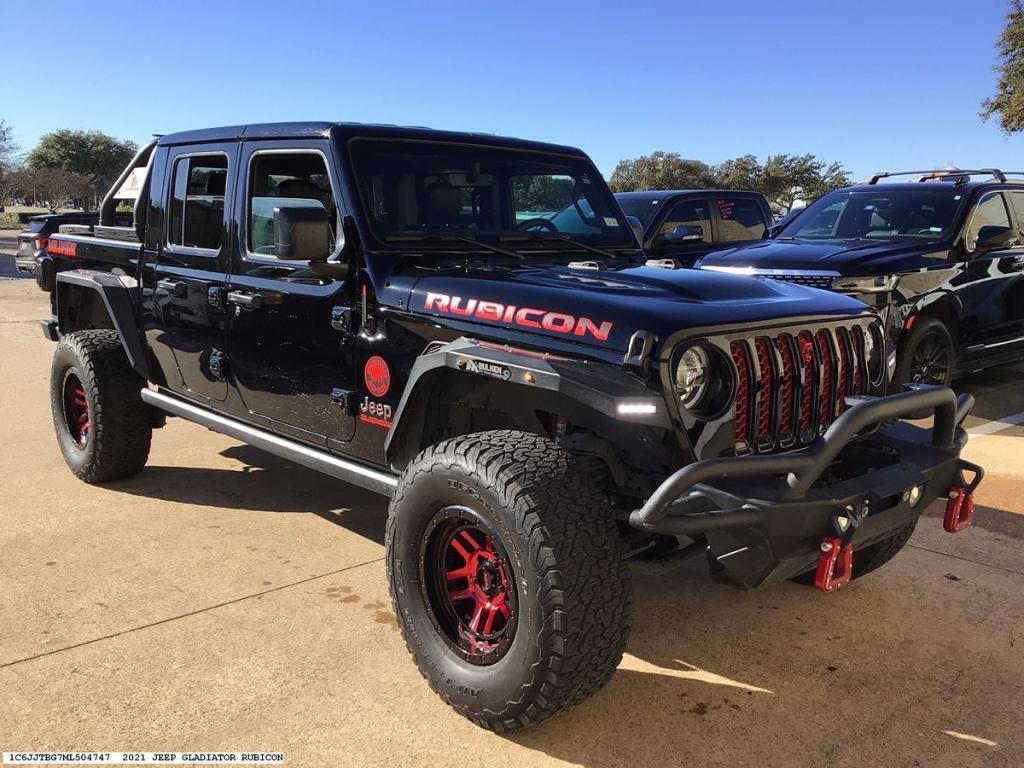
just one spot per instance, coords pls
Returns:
(120, 425)
(547, 514)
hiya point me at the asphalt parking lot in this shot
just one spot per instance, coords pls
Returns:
(226, 599)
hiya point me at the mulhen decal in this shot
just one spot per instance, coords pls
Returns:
(377, 376)
(528, 317)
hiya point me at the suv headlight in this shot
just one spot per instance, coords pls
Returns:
(871, 284)
(692, 376)
(704, 380)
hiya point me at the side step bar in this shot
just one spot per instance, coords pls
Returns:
(335, 466)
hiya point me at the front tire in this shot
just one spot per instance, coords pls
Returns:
(927, 354)
(527, 613)
(103, 427)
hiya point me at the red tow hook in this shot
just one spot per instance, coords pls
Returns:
(959, 510)
(835, 564)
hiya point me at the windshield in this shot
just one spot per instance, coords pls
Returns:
(878, 214)
(644, 208)
(484, 193)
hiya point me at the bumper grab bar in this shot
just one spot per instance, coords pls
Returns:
(802, 468)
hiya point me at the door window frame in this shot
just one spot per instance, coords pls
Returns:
(667, 214)
(172, 171)
(717, 216)
(264, 258)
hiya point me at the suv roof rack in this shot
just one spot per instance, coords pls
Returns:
(960, 175)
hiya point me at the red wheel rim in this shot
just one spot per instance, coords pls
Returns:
(469, 585)
(76, 409)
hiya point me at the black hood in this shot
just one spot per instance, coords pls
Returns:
(604, 308)
(846, 257)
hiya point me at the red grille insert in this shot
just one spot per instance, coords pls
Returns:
(843, 340)
(739, 356)
(827, 394)
(765, 391)
(857, 336)
(789, 375)
(808, 379)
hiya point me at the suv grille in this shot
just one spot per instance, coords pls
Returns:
(814, 281)
(791, 386)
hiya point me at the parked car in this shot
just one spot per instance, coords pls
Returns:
(684, 225)
(32, 240)
(941, 259)
(365, 301)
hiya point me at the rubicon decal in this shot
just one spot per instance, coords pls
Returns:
(377, 376)
(527, 317)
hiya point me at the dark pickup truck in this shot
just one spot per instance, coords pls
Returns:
(377, 303)
(685, 225)
(940, 258)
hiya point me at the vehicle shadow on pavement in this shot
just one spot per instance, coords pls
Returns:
(264, 483)
(997, 391)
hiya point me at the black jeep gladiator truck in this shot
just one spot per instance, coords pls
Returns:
(941, 258)
(370, 301)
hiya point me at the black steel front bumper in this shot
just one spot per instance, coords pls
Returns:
(765, 517)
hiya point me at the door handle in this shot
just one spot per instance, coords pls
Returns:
(242, 299)
(176, 288)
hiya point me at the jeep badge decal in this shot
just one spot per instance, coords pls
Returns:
(377, 376)
(528, 317)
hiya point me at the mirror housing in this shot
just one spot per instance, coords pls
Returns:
(302, 233)
(683, 233)
(991, 237)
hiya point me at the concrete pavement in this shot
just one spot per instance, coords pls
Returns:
(225, 599)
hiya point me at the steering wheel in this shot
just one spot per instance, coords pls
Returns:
(533, 223)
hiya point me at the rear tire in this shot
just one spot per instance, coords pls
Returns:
(543, 542)
(103, 427)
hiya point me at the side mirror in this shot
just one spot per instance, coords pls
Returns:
(683, 233)
(992, 237)
(302, 233)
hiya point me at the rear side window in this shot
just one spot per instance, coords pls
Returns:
(740, 218)
(991, 212)
(196, 215)
(696, 213)
(37, 226)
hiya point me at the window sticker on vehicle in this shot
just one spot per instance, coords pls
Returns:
(611, 221)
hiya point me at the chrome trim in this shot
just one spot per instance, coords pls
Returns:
(974, 347)
(768, 272)
(343, 469)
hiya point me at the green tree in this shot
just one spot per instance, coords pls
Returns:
(56, 188)
(98, 157)
(661, 170)
(788, 178)
(8, 163)
(543, 193)
(743, 172)
(1008, 103)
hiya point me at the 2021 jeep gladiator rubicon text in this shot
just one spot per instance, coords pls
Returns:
(365, 300)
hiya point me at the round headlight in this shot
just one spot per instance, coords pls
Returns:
(692, 376)
(874, 353)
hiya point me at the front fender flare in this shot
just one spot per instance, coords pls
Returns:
(533, 382)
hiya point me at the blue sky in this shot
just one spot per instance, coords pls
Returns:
(873, 84)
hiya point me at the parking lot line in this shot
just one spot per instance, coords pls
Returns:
(998, 425)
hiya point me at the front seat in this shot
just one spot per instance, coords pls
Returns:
(442, 206)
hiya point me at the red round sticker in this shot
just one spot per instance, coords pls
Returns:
(377, 376)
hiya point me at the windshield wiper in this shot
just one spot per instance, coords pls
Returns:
(544, 238)
(428, 238)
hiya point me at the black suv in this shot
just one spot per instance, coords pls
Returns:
(683, 225)
(382, 304)
(940, 258)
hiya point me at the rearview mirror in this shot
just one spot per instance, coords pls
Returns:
(992, 237)
(302, 233)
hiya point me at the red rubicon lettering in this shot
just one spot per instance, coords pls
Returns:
(528, 317)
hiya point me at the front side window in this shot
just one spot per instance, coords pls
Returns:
(281, 180)
(196, 215)
(694, 213)
(413, 188)
(874, 213)
(1018, 204)
(990, 212)
(739, 219)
